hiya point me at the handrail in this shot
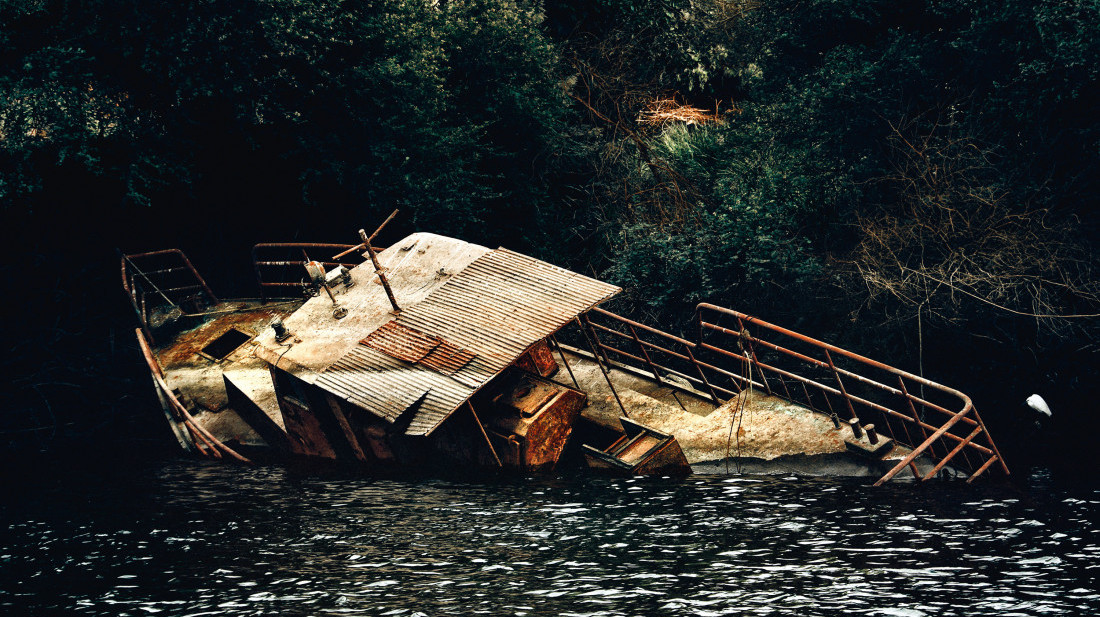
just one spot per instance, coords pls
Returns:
(198, 432)
(159, 281)
(699, 382)
(273, 267)
(963, 412)
(656, 352)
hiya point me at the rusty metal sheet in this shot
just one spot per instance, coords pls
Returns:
(448, 359)
(485, 317)
(412, 345)
(401, 342)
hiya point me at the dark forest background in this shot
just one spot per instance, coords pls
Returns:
(912, 179)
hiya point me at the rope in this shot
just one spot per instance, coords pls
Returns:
(739, 413)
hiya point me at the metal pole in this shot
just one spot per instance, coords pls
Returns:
(480, 425)
(378, 270)
(605, 372)
(367, 239)
(841, 384)
(557, 345)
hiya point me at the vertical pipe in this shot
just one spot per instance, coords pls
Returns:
(699, 369)
(992, 446)
(206, 288)
(259, 276)
(378, 270)
(806, 392)
(482, 427)
(916, 416)
(743, 333)
(599, 345)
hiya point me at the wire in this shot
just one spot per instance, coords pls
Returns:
(288, 346)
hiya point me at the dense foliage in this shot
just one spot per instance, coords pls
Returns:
(912, 178)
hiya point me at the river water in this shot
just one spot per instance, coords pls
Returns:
(183, 537)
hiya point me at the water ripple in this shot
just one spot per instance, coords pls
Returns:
(181, 538)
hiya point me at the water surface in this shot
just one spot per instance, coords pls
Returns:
(195, 538)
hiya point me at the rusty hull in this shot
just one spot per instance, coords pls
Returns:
(230, 397)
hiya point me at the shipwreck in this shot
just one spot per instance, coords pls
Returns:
(439, 353)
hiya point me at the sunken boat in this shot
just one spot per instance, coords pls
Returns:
(439, 353)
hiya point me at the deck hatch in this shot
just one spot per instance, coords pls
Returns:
(226, 343)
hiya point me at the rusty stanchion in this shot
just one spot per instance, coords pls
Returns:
(606, 372)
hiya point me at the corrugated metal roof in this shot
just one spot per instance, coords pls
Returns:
(484, 318)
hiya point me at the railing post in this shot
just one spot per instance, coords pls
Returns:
(561, 353)
(920, 449)
(952, 453)
(809, 401)
(984, 467)
(992, 446)
(599, 348)
(206, 288)
(645, 354)
(843, 392)
(606, 372)
(913, 411)
(259, 276)
(713, 394)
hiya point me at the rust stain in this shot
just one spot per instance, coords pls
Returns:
(184, 349)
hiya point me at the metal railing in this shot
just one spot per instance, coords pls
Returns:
(198, 436)
(279, 265)
(670, 359)
(157, 278)
(933, 420)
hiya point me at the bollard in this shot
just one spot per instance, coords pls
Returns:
(872, 436)
(836, 421)
(854, 422)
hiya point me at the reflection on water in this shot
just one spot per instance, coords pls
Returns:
(187, 538)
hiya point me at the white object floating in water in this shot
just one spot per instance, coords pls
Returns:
(1037, 403)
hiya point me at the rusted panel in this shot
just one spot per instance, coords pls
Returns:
(412, 345)
(510, 448)
(538, 417)
(640, 451)
(378, 440)
(447, 359)
(304, 429)
(402, 342)
(527, 398)
(669, 460)
(539, 360)
(550, 429)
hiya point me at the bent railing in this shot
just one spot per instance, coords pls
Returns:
(934, 420)
(160, 278)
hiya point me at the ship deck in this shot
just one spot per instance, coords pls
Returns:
(754, 430)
